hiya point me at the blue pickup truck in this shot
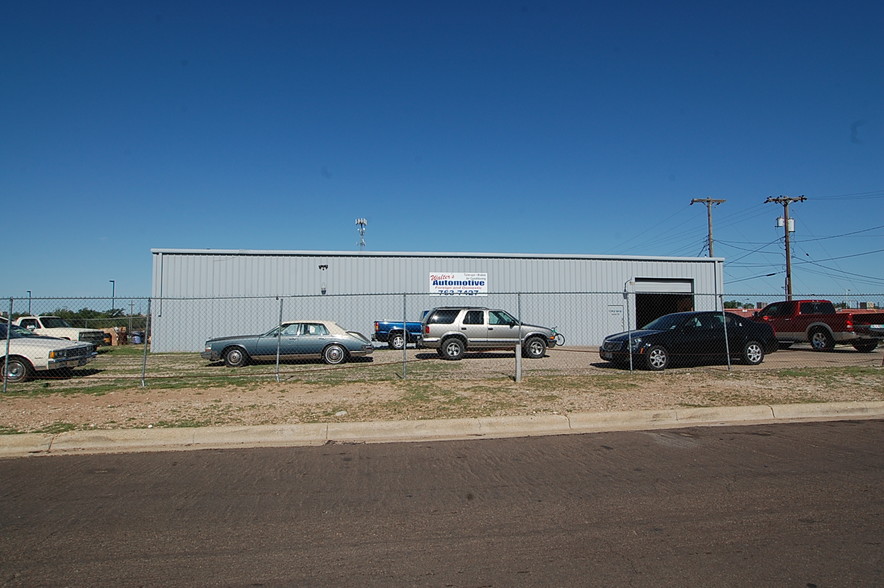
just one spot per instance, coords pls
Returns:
(392, 333)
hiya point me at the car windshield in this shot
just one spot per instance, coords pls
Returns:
(54, 322)
(15, 332)
(665, 322)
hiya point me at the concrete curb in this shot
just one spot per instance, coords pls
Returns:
(141, 440)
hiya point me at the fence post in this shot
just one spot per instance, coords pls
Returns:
(405, 335)
(6, 357)
(147, 338)
(278, 336)
(628, 324)
(519, 342)
(727, 347)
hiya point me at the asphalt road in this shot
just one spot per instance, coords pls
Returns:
(786, 505)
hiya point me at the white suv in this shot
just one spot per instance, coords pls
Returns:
(454, 330)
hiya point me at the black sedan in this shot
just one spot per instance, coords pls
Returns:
(691, 337)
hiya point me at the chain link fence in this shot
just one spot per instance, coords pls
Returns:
(133, 341)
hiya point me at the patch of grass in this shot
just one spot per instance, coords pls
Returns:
(184, 423)
(56, 428)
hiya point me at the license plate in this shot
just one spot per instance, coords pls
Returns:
(607, 355)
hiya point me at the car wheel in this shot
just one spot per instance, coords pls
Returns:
(396, 341)
(657, 358)
(452, 348)
(753, 353)
(236, 357)
(865, 346)
(334, 354)
(18, 370)
(534, 348)
(821, 340)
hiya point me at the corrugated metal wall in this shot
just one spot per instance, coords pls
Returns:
(239, 289)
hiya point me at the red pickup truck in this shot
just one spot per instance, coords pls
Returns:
(820, 324)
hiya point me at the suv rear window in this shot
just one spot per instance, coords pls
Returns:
(443, 316)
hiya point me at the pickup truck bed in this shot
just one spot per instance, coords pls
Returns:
(393, 334)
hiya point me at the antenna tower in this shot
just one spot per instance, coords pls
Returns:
(361, 223)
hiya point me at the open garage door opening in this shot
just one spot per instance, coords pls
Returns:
(656, 297)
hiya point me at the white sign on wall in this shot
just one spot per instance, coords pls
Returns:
(458, 284)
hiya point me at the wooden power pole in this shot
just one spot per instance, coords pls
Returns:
(709, 202)
(785, 201)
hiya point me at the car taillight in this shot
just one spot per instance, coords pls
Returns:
(376, 326)
(426, 329)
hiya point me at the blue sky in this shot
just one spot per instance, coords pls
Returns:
(532, 127)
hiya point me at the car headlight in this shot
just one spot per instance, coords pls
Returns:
(635, 343)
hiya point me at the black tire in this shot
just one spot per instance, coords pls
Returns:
(657, 358)
(865, 346)
(534, 348)
(18, 370)
(821, 340)
(334, 354)
(753, 353)
(560, 339)
(236, 357)
(452, 348)
(396, 341)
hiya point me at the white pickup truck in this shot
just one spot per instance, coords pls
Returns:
(54, 326)
(29, 353)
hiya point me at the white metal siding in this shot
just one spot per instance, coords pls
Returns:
(225, 278)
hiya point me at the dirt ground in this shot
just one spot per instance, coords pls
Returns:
(566, 381)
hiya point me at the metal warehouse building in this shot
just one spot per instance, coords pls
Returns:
(198, 294)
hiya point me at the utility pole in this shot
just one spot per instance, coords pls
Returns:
(786, 201)
(709, 202)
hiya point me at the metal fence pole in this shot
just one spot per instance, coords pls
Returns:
(405, 335)
(519, 343)
(278, 336)
(8, 333)
(628, 324)
(147, 338)
(727, 348)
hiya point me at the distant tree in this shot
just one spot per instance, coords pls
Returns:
(733, 304)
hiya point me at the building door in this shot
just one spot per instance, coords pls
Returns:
(656, 297)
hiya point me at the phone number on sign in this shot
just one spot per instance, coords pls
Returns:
(458, 292)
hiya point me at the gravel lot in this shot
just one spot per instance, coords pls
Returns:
(567, 380)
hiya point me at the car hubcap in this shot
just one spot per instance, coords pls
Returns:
(15, 371)
(754, 353)
(452, 349)
(658, 359)
(334, 354)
